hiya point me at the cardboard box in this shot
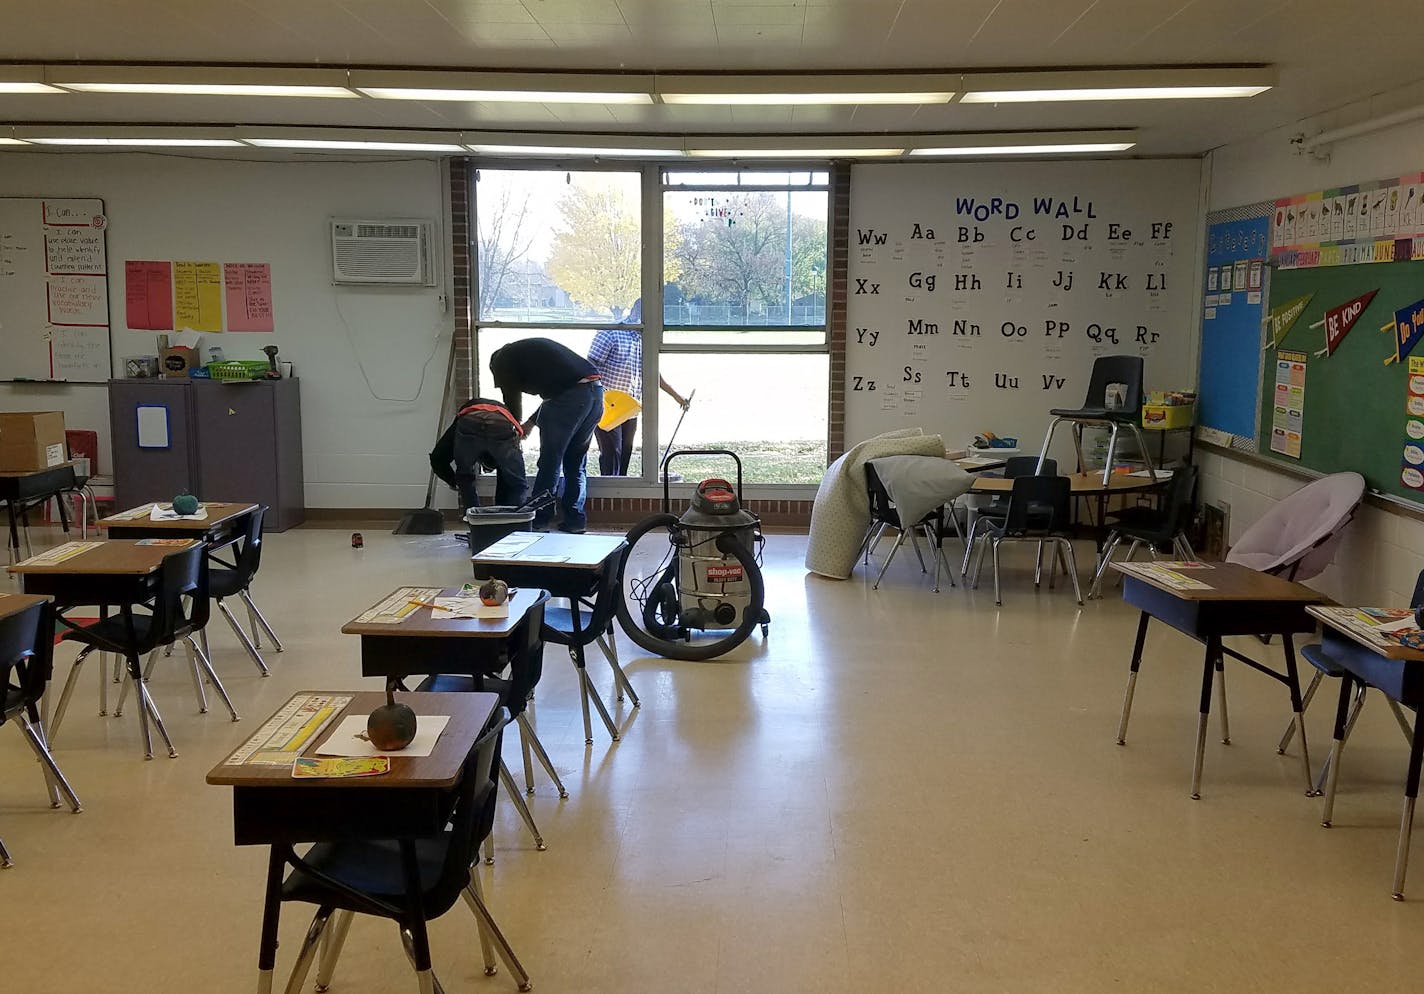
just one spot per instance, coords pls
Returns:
(32, 440)
(177, 360)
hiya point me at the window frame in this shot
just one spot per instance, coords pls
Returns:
(652, 188)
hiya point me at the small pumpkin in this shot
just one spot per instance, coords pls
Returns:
(494, 592)
(186, 504)
(391, 726)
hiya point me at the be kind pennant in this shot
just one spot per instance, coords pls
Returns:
(1339, 320)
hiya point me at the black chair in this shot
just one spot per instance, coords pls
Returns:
(178, 610)
(1162, 527)
(1124, 371)
(526, 666)
(26, 656)
(1014, 467)
(883, 515)
(347, 878)
(1026, 521)
(235, 581)
(588, 620)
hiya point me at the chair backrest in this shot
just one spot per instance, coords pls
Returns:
(249, 557)
(594, 618)
(83, 443)
(1297, 537)
(1016, 466)
(881, 507)
(26, 655)
(1030, 496)
(471, 821)
(1418, 599)
(1109, 369)
(180, 605)
(1181, 499)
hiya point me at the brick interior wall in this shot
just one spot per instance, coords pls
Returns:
(836, 306)
(461, 255)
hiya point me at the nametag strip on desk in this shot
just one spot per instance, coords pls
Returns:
(60, 553)
(284, 735)
(510, 545)
(1380, 626)
(133, 514)
(398, 606)
(1170, 577)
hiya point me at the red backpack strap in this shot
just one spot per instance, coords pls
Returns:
(493, 409)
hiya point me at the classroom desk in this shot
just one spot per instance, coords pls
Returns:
(21, 490)
(576, 567)
(1081, 484)
(1398, 673)
(225, 524)
(111, 574)
(1235, 601)
(413, 801)
(421, 645)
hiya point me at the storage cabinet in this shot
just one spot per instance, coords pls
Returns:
(224, 441)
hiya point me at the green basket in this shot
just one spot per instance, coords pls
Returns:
(237, 369)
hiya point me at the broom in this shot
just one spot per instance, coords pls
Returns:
(427, 520)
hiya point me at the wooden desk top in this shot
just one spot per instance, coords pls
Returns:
(1228, 582)
(22, 473)
(420, 624)
(13, 604)
(110, 557)
(556, 549)
(218, 513)
(469, 712)
(1392, 651)
(1081, 483)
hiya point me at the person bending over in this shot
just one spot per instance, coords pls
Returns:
(572, 404)
(617, 354)
(484, 434)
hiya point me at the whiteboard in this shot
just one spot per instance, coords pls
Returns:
(54, 291)
(980, 293)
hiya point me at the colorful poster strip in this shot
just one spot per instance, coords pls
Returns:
(1288, 404)
(1412, 469)
(1381, 221)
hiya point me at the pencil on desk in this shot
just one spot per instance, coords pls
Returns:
(427, 604)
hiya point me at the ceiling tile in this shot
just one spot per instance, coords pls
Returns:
(548, 12)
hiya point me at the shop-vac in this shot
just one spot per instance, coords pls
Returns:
(692, 585)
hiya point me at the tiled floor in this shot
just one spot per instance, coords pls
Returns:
(897, 791)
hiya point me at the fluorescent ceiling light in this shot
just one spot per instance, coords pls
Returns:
(771, 89)
(772, 98)
(506, 96)
(140, 142)
(8, 87)
(572, 150)
(213, 89)
(1047, 149)
(793, 153)
(344, 145)
(12, 141)
(1110, 93)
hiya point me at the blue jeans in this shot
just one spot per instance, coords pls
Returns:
(566, 422)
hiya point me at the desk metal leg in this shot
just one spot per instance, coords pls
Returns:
(333, 940)
(1132, 676)
(1213, 660)
(1406, 821)
(1342, 709)
(271, 912)
(1221, 701)
(310, 942)
(1332, 759)
(1293, 683)
(419, 939)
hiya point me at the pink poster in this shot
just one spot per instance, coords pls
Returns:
(248, 286)
(148, 293)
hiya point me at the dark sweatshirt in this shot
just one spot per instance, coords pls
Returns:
(538, 366)
(492, 424)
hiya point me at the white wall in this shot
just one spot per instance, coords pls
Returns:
(360, 450)
(1383, 552)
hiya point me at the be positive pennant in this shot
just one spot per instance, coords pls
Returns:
(1284, 317)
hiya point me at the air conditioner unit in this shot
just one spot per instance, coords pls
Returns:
(391, 252)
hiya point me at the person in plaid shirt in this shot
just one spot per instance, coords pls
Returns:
(617, 354)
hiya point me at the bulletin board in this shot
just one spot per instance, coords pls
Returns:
(1235, 290)
(54, 290)
(1357, 412)
(981, 293)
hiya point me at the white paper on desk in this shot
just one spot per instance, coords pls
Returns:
(349, 738)
(510, 545)
(133, 513)
(466, 607)
(165, 512)
(1145, 474)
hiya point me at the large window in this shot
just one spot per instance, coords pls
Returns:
(742, 327)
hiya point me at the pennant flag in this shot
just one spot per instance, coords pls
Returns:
(1284, 317)
(1339, 320)
(1408, 328)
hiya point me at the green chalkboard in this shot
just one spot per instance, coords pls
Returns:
(1355, 404)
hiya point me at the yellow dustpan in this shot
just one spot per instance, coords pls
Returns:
(618, 407)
